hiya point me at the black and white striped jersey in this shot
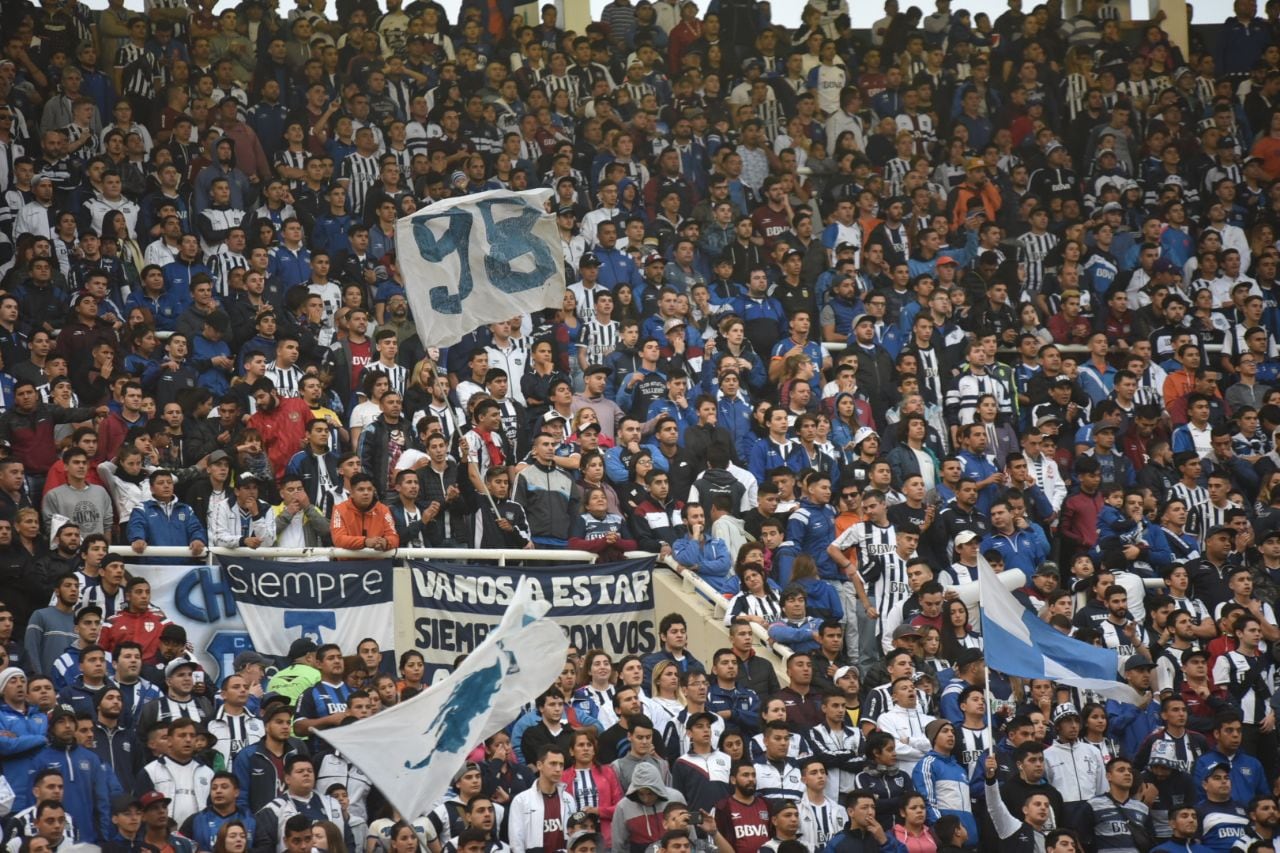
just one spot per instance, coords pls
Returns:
(888, 574)
(1208, 516)
(137, 70)
(1033, 248)
(292, 160)
(598, 339)
(286, 379)
(220, 265)
(397, 374)
(1193, 497)
(360, 173)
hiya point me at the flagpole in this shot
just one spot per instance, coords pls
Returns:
(986, 685)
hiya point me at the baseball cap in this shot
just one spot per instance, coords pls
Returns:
(150, 798)
(247, 478)
(700, 717)
(1194, 653)
(974, 163)
(965, 536)
(464, 770)
(672, 323)
(1221, 528)
(589, 259)
(218, 456)
(553, 415)
(1162, 265)
(1113, 207)
(905, 631)
(968, 656)
(578, 838)
(654, 258)
(248, 658)
(841, 672)
(301, 648)
(121, 803)
(177, 664)
(1138, 661)
(565, 208)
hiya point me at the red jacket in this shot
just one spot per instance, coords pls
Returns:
(1080, 519)
(141, 628)
(283, 430)
(111, 433)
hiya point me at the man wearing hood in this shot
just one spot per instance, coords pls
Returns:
(539, 814)
(223, 166)
(637, 820)
(84, 777)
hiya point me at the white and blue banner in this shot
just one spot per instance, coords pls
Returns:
(477, 259)
(434, 731)
(603, 606)
(199, 599)
(1018, 642)
(324, 601)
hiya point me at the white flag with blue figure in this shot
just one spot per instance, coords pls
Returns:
(478, 259)
(412, 750)
(1016, 641)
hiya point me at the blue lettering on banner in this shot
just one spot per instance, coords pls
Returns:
(311, 621)
(509, 239)
(204, 585)
(608, 606)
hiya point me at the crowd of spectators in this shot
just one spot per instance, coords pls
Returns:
(847, 312)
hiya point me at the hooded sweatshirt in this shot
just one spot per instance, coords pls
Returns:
(636, 825)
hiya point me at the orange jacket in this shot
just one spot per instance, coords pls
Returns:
(991, 201)
(350, 527)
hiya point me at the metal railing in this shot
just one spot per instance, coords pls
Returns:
(498, 555)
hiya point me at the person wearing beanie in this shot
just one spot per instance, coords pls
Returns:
(85, 792)
(24, 735)
(946, 784)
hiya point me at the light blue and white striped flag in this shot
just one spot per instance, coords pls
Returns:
(478, 259)
(1016, 641)
(411, 751)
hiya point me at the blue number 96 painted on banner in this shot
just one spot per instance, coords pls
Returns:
(505, 241)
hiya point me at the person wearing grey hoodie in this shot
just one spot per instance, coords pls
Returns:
(637, 820)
